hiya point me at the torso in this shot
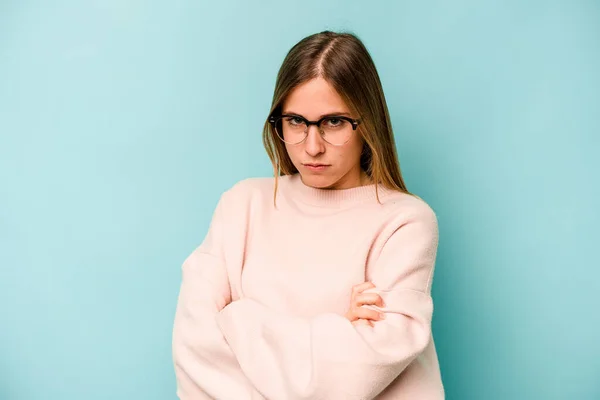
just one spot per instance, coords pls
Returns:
(314, 273)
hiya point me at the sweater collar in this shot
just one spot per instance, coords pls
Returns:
(333, 198)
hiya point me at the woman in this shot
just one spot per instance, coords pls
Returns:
(315, 284)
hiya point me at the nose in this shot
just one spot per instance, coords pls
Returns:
(314, 143)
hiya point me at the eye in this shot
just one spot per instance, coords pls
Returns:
(334, 122)
(295, 121)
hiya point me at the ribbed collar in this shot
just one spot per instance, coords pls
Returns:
(332, 198)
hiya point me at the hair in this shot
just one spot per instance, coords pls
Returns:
(345, 63)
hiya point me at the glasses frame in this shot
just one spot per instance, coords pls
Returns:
(273, 120)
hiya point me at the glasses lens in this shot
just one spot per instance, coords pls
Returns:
(291, 130)
(336, 131)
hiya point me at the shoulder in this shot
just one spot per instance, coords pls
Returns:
(400, 203)
(403, 209)
(410, 228)
(250, 185)
(244, 191)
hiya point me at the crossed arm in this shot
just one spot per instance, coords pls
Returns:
(225, 349)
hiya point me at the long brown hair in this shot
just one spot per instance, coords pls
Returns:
(342, 60)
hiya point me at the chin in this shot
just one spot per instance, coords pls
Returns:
(318, 181)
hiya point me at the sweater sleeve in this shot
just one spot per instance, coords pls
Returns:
(327, 357)
(205, 367)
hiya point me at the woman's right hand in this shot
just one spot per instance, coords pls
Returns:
(357, 314)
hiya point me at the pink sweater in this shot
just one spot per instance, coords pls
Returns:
(260, 313)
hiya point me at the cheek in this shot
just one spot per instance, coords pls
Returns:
(345, 158)
(293, 152)
(354, 150)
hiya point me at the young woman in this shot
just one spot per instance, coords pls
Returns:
(315, 284)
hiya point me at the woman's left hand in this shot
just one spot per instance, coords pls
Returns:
(359, 315)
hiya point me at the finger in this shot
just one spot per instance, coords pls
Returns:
(368, 298)
(367, 313)
(362, 322)
(362, 287)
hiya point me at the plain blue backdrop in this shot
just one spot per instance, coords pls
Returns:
(122, 121)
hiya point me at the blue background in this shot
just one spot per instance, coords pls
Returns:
(122, 121)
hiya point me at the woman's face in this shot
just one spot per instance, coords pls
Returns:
(321, 164)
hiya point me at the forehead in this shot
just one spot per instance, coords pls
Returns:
(313, 99)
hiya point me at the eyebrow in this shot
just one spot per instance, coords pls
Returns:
(332, 114)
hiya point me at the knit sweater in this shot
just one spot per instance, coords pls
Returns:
(260, 313)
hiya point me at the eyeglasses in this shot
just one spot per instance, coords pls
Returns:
(293, 129)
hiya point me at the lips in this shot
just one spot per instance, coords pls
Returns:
(316, 167)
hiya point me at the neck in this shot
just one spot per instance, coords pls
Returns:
(364, 179)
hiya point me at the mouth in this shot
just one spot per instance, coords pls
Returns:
(316, 166)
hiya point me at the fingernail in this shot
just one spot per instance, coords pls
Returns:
(382, 315)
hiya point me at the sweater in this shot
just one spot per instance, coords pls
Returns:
(260, 311)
